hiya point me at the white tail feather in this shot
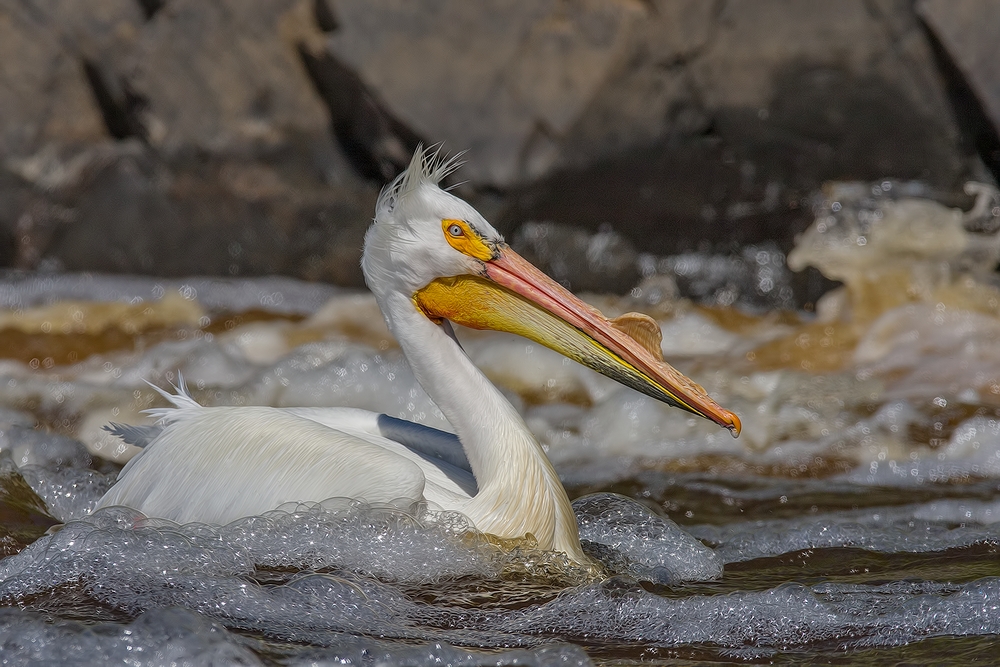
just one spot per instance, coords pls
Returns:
(181, 399)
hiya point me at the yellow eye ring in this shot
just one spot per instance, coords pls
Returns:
(460, 236)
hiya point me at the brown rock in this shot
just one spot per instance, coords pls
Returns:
(225, 76)
(504, 79)
(44, 97)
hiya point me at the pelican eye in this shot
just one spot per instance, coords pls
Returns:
(462, 237)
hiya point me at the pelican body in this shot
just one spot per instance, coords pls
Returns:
(430, 259)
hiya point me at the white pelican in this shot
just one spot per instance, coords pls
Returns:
(430, 259)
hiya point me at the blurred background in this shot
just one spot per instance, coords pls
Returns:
(251, 137)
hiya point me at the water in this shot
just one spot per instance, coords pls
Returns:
(856, 520)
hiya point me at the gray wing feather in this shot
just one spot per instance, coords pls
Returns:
(140, 436)
(425, 440)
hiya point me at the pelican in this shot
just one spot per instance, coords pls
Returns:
(431, 260)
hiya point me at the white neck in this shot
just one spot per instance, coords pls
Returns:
(519, 491)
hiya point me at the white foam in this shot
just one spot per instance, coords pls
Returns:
(161, 636)
(68, 493)
(630, 539)
(757, 624)
(886, 530)
(276, 294)
(138, 566)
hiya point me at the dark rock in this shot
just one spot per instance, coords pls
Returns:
(966, 36)
(755, 279)
(651, 92)
(691, 125)
(377, 144)
(134, 213)
(969, 31)
(747, 182)
(30, 447)
(667, 198)
(555, 88)
(23, 515)
(225, 162)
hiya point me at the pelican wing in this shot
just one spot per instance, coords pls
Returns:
(431, 442)
(216, 465)
(438, 453)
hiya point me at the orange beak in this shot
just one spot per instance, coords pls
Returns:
(514, 296)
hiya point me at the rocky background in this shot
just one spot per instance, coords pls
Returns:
(249, 137)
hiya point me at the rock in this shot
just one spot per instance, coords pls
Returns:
(376, 143)
(244, 137)
(23, 515)
(839, 86)
(134, 213)
(28, 446)
(775, 99)
(650, 93)
(225, 76)
(44, 97)
(504, 79)
(224, 163)
(967, 31)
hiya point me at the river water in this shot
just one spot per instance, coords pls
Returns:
(857, 519)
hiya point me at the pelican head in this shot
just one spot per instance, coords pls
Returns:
(438, 252)
(423, 232)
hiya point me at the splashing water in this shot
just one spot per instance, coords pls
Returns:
(859, 512)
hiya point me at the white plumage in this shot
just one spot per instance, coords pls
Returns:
(217, 464)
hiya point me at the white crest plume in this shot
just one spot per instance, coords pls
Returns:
(427, 166)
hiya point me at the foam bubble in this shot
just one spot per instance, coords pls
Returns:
(160, 636)
(886, 530)
(630, 539)
(760, 623)
(69, 493)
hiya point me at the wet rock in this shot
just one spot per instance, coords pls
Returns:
(565, 87)
(755, 279)
(29, 447)
(650, 93)
(375, 142)
(23, 517)
(760, 110)
(224, 162)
